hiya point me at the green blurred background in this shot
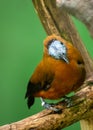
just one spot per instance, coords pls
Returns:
(21, 48)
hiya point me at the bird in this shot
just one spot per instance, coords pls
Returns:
(82, 10)
(60, 72)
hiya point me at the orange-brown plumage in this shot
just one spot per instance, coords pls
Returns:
(54, 78)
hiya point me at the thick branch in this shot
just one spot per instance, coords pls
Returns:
(82, 104)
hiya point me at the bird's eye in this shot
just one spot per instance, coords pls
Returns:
(79, 62)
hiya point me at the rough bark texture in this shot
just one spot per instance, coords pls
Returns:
(56, 21)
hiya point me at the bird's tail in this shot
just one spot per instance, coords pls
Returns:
(30, 100)
(29, 96)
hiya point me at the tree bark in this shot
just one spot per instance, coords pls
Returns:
(57, 21)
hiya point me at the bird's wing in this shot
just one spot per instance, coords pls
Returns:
(40, 80)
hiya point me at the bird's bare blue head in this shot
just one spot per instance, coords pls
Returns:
(58, 50)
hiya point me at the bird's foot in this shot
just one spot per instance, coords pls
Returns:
(68, 101)
(49, 106)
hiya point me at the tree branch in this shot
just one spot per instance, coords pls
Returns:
(82, 10)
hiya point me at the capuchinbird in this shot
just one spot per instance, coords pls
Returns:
(60, 72)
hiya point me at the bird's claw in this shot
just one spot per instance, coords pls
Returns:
(68, 101)
(49, 106)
